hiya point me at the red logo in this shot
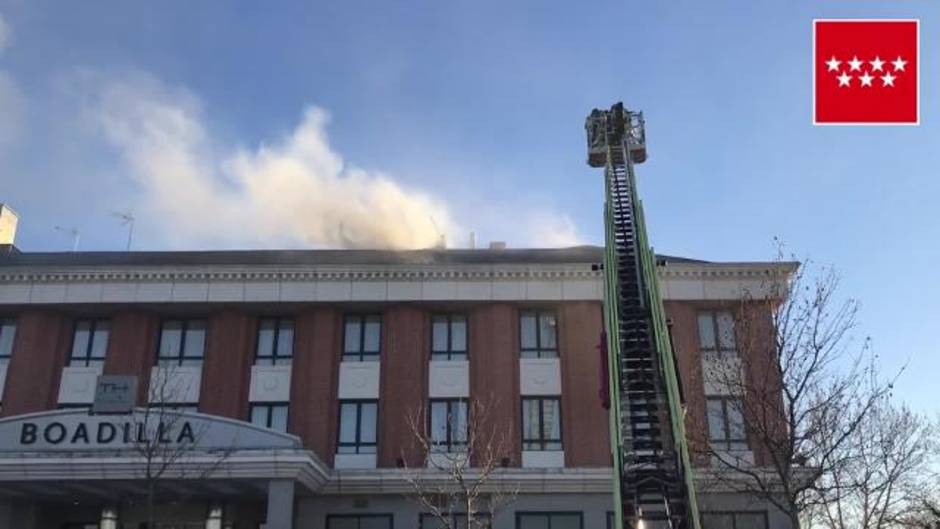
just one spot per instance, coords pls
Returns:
(865, 72)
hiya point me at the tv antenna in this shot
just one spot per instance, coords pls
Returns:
(127, 219)
(76, 235)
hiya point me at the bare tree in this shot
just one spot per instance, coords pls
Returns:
(800, 386)
(166, 442)
(459, 485)
(885, 472)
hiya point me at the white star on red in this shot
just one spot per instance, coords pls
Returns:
(865, 79)
(844, 79)
(877, 63)
(899, 64)
(833, 64)
(887, 79)
(855, 64)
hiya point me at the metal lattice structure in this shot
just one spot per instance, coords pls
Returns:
(653, 480)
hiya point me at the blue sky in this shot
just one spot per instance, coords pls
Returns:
(472, 111)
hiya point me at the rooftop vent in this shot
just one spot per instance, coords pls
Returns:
(498, 245)
(8, 220)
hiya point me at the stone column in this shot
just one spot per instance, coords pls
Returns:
(280, 504)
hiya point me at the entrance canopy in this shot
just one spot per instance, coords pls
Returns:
(63, 448)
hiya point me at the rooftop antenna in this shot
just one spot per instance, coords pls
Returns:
(76, 236)
(127, 219)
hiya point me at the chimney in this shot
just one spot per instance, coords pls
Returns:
(8, 220)
(498, 245)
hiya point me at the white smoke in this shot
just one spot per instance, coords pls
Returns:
(296, 191)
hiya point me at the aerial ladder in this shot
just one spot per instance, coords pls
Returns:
(653, 485)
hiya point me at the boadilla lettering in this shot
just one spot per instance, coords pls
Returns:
(104, 433)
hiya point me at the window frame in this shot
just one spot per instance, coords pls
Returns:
(86, 359)
(185, 407)
(359, 517)
(719, 348)
(451, 353)
(181, 356)
(549, 514)
(361, 355)
(727, 442)
(272, 359)
(269, 407)
(5, 357)
(358, 444)
(542, 440)
(540, 352)
(734, 517)
(452, 446)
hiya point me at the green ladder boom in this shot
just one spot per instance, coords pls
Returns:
(652, 474)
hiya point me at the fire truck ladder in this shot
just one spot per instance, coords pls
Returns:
(652, 480)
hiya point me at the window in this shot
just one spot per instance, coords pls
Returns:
(716, 332)
(273, 416)
(549, 520)
(458, 520)
(726, 424)
(537, 334)
(357, 425)
(182, 342)
(734, 520)
(7, 333)
(448, 425)
(610, 520)
(449, 337)
(541, 423)
(89, 342)
(275, 342)
(359, 521)
(362, 338)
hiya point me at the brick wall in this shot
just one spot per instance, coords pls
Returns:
(314, 379)
(226, 370)
(403, 387)
(39, 353)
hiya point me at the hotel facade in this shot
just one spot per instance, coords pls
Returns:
(292, 376)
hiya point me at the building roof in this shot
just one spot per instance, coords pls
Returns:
(570, 255)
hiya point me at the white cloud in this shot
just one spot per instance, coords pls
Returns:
(6, 35)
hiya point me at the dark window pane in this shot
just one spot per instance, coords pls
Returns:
(195, 339)
(547, 331)
(99, 344)
(566, 521)
(7, 333)
(266, 337)
(352, 336)
(458, 334)
(367, 422)
(373, 334)
(81, 338)
(716, 419)
(439, 334)
(285, 340)
(171, 338)
(347, 423)
(533, 521)
(259, 415)
(706, 330)
(527, 330)
(551, 419)
(279, 418)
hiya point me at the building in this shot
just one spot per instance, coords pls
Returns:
(293, 374)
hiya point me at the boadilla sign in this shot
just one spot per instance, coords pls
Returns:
(78, 430)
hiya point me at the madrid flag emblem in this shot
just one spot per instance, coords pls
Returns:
(865, 72)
